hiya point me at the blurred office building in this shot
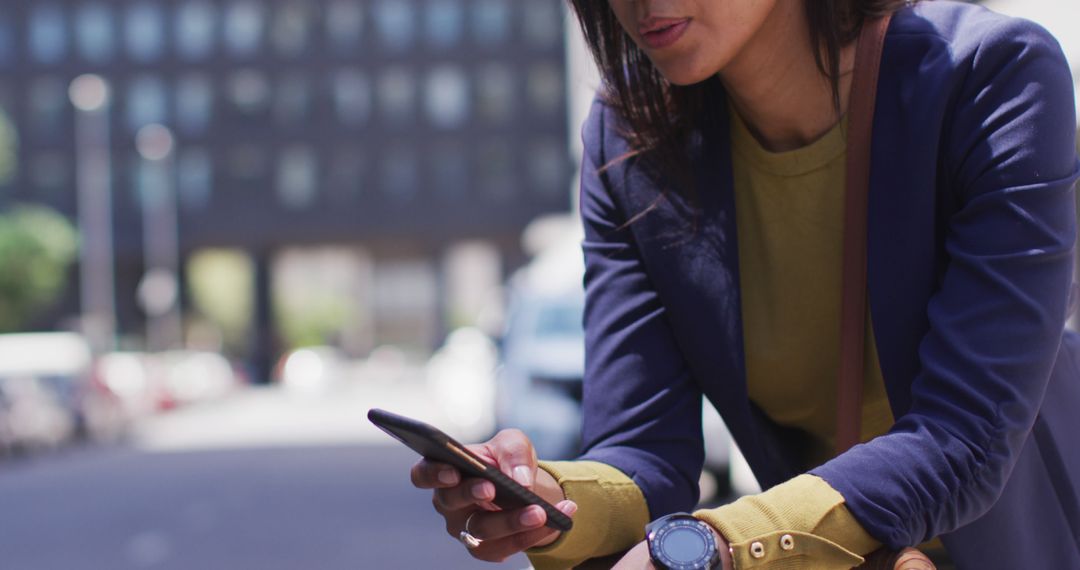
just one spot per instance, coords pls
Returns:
(369, 163)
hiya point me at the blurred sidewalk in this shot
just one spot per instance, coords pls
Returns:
(271, 416)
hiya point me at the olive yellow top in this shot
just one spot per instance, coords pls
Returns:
(789, 214)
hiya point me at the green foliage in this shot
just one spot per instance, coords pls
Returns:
(221, 282)
(314, 322)
(37, 247)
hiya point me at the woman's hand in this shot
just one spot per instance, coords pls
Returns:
(503, 533)
(912, 559)
(637, 558)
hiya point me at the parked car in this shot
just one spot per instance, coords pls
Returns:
(138, 381)
(43, 371)
(145, 383)
(191, 376)
(542, 364)
(461, 377)
(35, 418)
(312, 370)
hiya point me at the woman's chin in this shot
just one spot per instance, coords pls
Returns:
(684, 75)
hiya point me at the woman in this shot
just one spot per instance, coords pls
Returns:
(712, 194)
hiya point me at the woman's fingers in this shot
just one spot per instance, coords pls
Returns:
(457, 498)
(433, 475)
(515, 456)
(507, 533)
(494, 526)
(469, 494)
(912, 559)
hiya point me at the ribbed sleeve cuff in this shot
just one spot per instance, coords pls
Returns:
(611, 514)
(802, 523)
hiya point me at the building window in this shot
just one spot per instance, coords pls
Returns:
(394, 23)
(50, 174)
(146, 102)
(48, 103)
(249, 92)
(399, 173)
(491, 21)
(542, 21)
(137, 178)
(348, 169)
(195, 29)
(495, 168)
(397, 95)
(352, 97)
(545, 88)
(195, 178)
(447, 97)
(244, 27)
(292, 27)
(194, 103)
(7, 41)
(297, 177)
(344, 26)
(449, 168)
(144, 31)
(9, 141)
(546, 167)
(150, 182)
(48, 39)
(495, 93)
(293, 103)
(247, 162)
(94, 32)
(444, 22)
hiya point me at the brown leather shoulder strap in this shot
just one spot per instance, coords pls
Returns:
(856, 198)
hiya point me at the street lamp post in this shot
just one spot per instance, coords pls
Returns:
(90, 96)
(159, 290)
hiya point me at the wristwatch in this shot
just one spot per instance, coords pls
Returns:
(681, 542)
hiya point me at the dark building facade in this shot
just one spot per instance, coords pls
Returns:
(403, 125)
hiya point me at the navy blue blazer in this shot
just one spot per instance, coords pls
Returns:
(971, 232)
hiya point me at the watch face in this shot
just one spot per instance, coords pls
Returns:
(683, 544)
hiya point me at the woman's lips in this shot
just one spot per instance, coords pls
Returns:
(660, 33)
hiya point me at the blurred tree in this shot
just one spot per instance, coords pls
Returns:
(221, 282)
(37, 247)
(312, 322)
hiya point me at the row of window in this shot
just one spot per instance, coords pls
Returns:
(445, 96)
(347, 174)
(99, 31)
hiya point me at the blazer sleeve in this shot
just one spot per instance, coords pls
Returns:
(997, 319)
(642, 408)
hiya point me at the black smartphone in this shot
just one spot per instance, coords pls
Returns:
(433, 444)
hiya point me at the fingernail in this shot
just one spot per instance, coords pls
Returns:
(568, 508)
(480, 490)
(523, 475)
(448, 476)
(532, 516)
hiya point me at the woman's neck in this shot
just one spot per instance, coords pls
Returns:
(776, 87)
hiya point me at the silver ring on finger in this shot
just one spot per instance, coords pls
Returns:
(467, 537)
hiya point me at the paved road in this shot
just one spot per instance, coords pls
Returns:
(261, 481)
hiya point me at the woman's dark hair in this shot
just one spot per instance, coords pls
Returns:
(659, 115)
